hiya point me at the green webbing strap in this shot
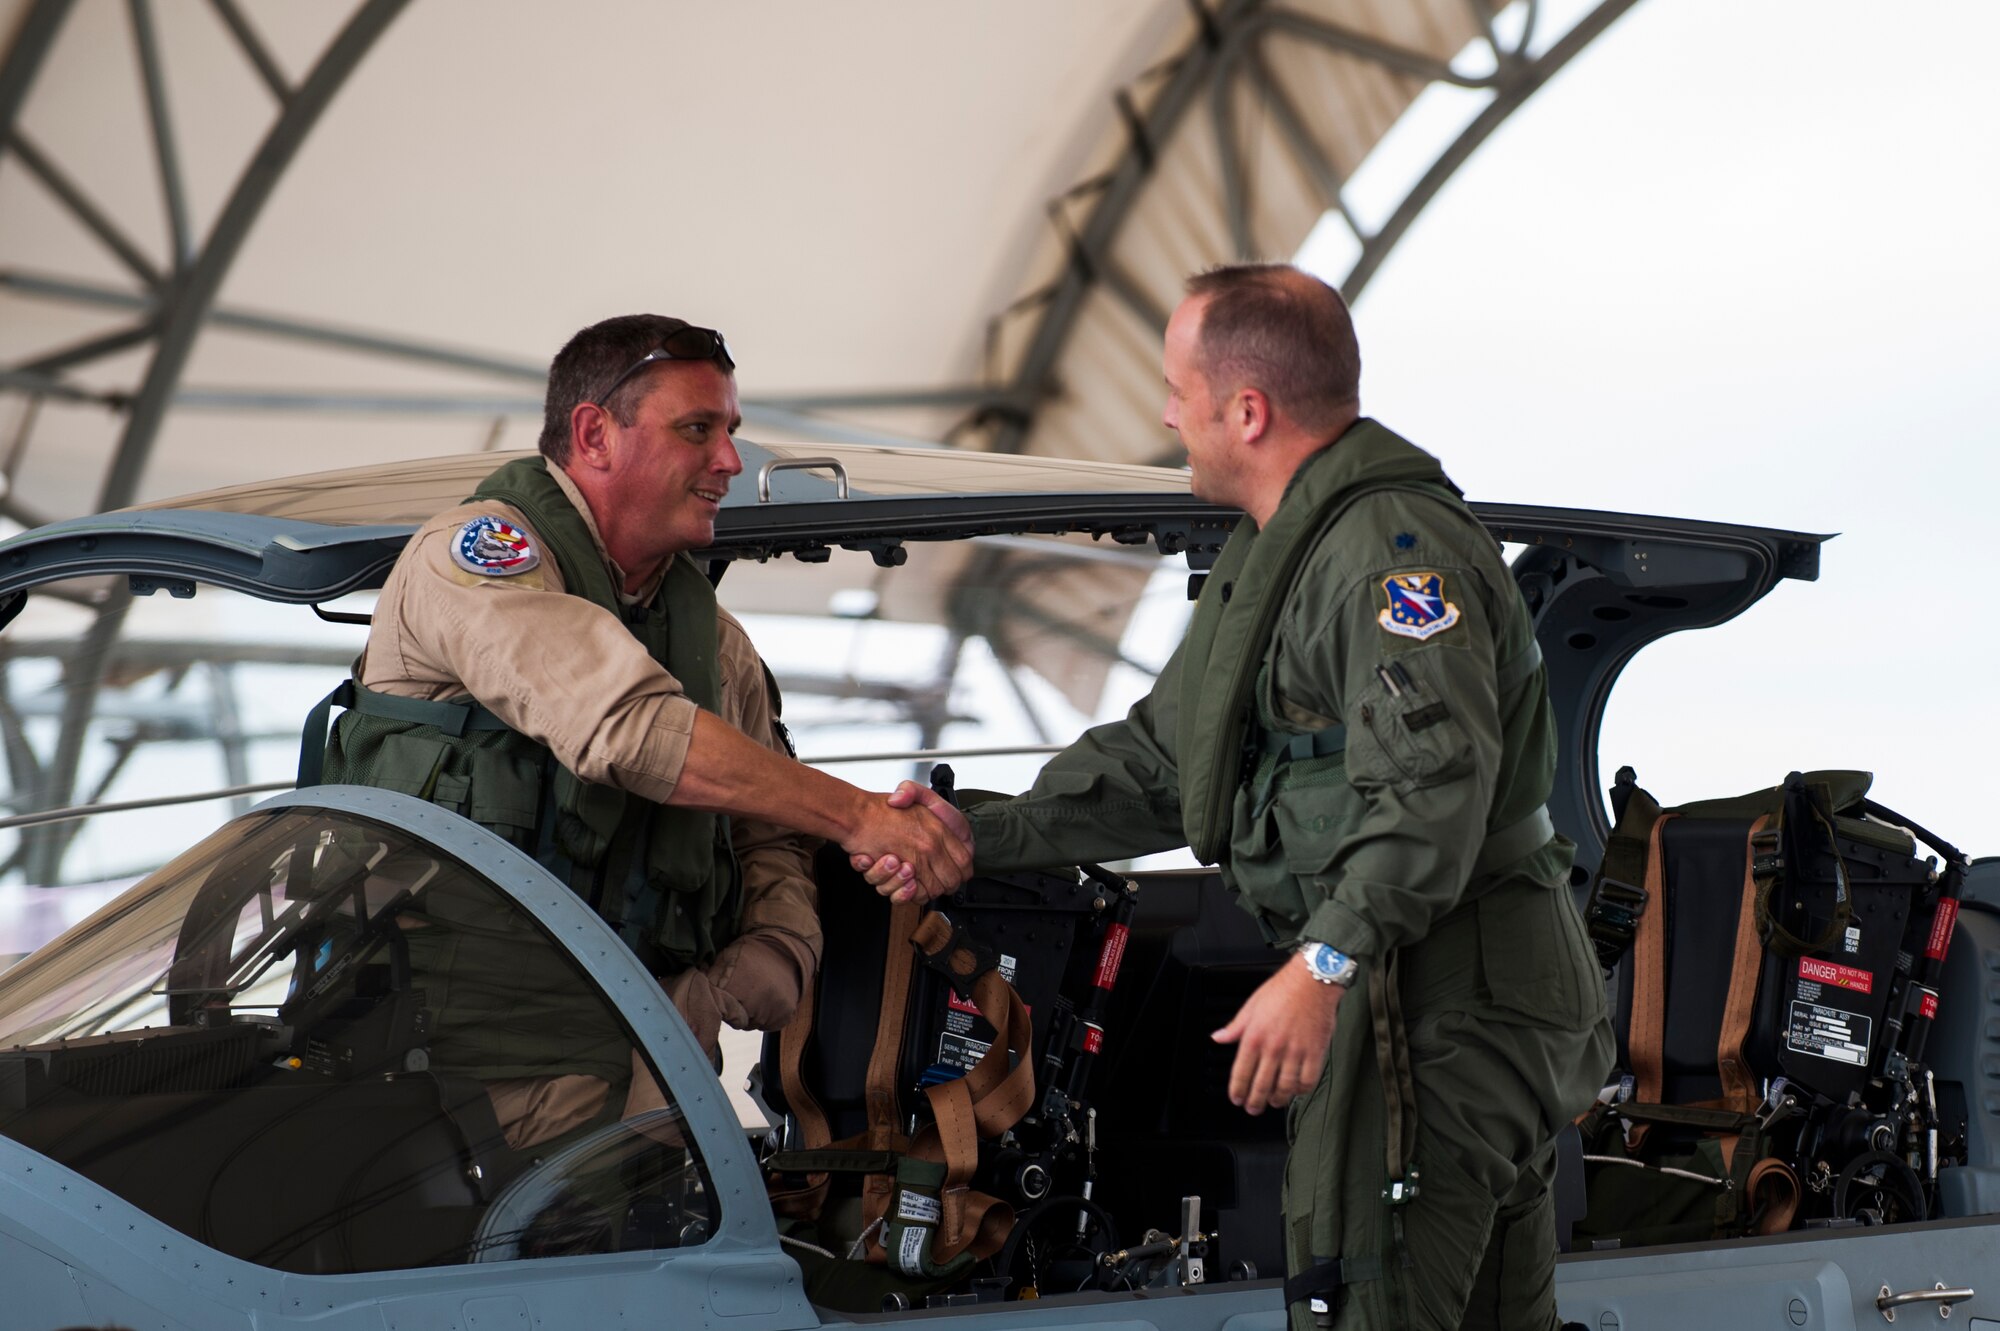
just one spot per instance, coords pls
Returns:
(1685, 1116)
(1313, 744)
(1788, 844)
(1516, 841)
(832, 1160)
(454, 718)
(1618, 898)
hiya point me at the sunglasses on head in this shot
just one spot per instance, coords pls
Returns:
(688, 343)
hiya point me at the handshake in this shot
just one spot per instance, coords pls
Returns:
(912, 846)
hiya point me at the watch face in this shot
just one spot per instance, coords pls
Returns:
(1329, 963)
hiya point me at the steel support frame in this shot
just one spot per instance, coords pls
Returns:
(180, 304)
(1226, 48)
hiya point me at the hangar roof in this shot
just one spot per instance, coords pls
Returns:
(252, 238)
(267, 235)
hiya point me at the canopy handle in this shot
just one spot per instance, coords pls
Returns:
(775, 465)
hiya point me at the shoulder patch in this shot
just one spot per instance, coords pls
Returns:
(1417, 608)
(494, 548)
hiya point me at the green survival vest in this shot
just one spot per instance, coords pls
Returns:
(1224, 741)
(664, 877)
(1232, 626)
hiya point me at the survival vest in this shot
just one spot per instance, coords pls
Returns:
(1226, 741)
(664, 877)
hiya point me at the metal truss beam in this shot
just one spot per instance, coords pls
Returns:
(195, 289)
(1525, 80)
(1228, 51)
(32, 40)
(174, 312)
(84, 209)
(794, 411)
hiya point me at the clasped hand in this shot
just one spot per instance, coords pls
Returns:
(921, 872)
(915, 846)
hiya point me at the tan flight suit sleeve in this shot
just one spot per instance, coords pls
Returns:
(760, 977)
(556, 668)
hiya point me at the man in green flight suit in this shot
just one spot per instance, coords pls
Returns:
(1357, 730)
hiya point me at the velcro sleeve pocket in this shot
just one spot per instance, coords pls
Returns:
(1408, 736)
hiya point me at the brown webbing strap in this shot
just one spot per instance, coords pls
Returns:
(884, 1114)
(885, 1131)
(986, 1101)
(1646, 1036)
(972, 1221)
(1774, 1195)
(1001, 1085)
(1739, 1090)
(802, 1203)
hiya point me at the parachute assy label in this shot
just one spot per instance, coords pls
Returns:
(1827, 1032)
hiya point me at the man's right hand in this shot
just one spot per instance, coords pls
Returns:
(893, 876)
(914, 847)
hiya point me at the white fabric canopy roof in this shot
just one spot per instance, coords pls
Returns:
(249, 239)
(855, 193)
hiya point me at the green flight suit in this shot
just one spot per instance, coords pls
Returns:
(1397, 616)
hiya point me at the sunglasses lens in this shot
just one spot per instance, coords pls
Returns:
(696, 344)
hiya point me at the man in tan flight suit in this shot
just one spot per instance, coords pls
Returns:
(582, 694)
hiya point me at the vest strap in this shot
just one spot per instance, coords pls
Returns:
(1318, 1286)
(454, 718)
(1299, 748)
(1516, 841)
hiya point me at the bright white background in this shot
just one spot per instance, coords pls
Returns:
(1738, 262)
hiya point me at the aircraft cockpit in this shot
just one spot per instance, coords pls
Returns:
(321, 1042)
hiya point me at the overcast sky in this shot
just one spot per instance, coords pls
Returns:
(1738, 263)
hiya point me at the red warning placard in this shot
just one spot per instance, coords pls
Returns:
(1111, 956)
(1841, 977)
(1942, 924)
(1927, 1006)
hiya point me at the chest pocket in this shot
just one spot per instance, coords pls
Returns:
(1402, 732)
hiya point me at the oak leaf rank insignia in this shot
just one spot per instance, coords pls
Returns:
(1417, 608)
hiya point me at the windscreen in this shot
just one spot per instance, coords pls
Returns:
(315, 1042)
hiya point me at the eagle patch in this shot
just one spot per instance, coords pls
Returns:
(1417, 608)
(493, 548)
